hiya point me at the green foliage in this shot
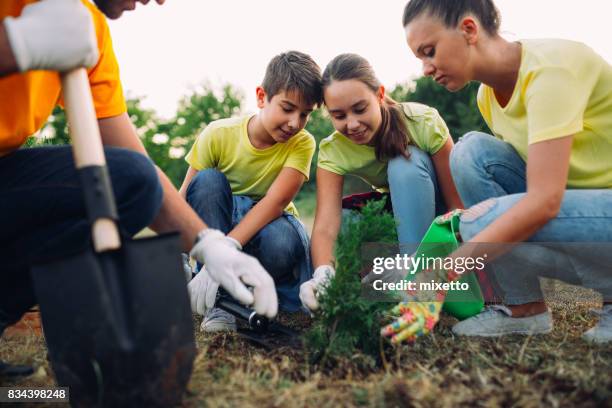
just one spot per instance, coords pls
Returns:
(54, 132)
(166, 141)
(458, 109)
(347, 322)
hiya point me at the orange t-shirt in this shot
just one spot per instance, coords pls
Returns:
(27, 100)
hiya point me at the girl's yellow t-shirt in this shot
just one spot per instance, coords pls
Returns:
(564, 88)
(340, 155)
(224, 145)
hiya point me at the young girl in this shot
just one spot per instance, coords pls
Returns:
(401, 148)
(547, 175)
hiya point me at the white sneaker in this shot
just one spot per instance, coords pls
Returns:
(217, 320)
(602, 331)
(497, 320)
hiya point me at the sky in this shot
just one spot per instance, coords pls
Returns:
(165, 52)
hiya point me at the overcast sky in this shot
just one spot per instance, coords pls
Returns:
(164, 51)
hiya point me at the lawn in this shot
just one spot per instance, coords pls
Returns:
(558, 369)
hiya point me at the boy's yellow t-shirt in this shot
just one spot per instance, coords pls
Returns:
(28, 99)
(340, 155)
(224, 145)
(564, 88)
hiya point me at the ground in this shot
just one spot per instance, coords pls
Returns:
(558, 369)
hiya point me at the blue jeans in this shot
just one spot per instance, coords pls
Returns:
(277, 245)
(415, 196)
(490, 173)
(42, 213)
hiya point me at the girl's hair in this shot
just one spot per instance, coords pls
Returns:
(451, 11)
(392, 138)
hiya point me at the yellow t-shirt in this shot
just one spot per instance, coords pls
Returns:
(563, 88)
(224, 145)
(29, 98)
(340, 155)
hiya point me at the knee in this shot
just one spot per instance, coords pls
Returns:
(466, 152)
(137, 188)
(205, 182)
(280, 240)
(417, 167)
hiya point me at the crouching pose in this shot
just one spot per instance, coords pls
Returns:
(399, 148)
(546, 175)
(244, 173)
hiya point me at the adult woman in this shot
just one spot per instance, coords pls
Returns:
(547, 176)
(400, 148)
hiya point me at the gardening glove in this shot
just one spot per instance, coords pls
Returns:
(235, 270)
(55, 35)
(202, 292)
(415, 319)
(314, 287)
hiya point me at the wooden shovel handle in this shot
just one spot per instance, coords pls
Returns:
(87, 145)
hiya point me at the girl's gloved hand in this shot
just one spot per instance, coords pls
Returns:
(312, 288)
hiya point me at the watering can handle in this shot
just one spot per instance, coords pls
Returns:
(87, 146)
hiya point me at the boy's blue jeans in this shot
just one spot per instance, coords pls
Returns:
(415, 196)
(277, 246)
(42, 213)
(490, 173)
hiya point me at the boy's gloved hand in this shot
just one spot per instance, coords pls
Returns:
(55, 35)
(202, 292)
(312, 288)
(235, 270)
(415, 319)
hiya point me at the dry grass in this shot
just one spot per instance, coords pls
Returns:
(558, 369)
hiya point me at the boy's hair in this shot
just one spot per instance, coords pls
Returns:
(392, 138)
(451, 11)
(294, 71)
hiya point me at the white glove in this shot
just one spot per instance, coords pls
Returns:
(202, 292)
(55, 35)
(234, 270)
(314, 287)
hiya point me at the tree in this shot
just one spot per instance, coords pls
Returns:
(458, 109)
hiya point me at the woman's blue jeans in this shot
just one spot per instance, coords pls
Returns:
(277, 246)
(491, 178)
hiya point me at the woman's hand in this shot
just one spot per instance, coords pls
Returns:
(414, 319)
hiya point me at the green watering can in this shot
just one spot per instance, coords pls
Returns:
(440, 240)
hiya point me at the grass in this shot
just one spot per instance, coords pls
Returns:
(558, 369)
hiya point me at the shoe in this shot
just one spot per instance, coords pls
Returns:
(602, 331)
(497, 320)
(217, 320)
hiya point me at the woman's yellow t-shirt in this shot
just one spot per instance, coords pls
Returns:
(29, 98)
(224, 145)
(564, 88)
(340, 155)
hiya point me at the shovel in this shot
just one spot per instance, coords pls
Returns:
(116, 317)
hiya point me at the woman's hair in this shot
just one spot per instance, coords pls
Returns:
(392, 138)
(451, 11)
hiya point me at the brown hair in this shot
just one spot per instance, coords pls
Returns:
(451, 11)
(392, 138)
(294, 71)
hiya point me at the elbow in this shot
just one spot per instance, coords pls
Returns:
(549, 206)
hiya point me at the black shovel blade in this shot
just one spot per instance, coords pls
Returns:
(118, 324)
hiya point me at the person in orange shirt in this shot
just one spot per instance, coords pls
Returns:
(42, 213)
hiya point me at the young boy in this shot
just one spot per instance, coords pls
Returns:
(243, 175)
